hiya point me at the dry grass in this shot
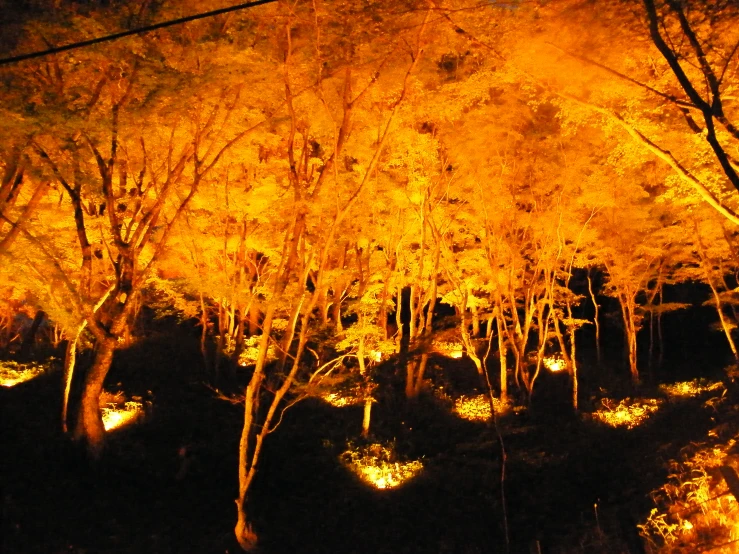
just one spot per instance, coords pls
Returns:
(687, 389)
(477, 408)
(13, 373)
(378, 465)
(626, 413)
(694, 510)
(118, 412)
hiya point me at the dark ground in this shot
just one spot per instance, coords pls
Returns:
(559, 467)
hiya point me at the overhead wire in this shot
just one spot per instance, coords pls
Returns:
(130, 32)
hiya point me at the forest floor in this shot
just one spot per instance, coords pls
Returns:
(572, 484)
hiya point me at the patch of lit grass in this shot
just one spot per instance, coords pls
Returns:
(477, 408)
(554, 363)
(627, 414)
(378, 465)
(13, 373)
(340, 400)
(685, 389)
(450, 349)
(116, 416)
(694, 509)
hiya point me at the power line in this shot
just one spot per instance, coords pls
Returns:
(139, 30)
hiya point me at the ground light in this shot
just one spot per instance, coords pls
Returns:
(625, 413)
(378, 466)
(13, 373)
(449, 349)
(554, 364)
(695, 507)
(116, 416)
(686, 389)
(477, 408)
(340, 400)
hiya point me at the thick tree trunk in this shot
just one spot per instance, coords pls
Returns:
(89, 429)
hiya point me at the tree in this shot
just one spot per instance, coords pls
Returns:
(126, 181)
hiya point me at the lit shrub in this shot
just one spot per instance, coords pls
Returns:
(378, 465)
(694, 508)
(627, 414)
(14, 373)
(685, 389)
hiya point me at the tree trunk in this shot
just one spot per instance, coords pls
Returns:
(239, 336)
(70, 358)
(651, 341)
(399, 320)
(248, 457)
(204, 337)
(220, 345)
(722, 318)
(475, 322)
(574, 374)
(410, 378)
(411, 310)
(502, 353)
(660, 338)
(29, 340)
(253, 319)
(336, 312)
(415, 370)
(630, 331)
(366, 416)
(89, 429)
(595, 319)
(323, 307)
(573, 357)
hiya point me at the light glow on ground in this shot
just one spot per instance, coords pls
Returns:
(13, 373)
(686, 389)
(377, 466)
(340, 400)
(695, 506)
(626, 414)
(477, 408)
(115, 417)
(449, 349)
(554, 364)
